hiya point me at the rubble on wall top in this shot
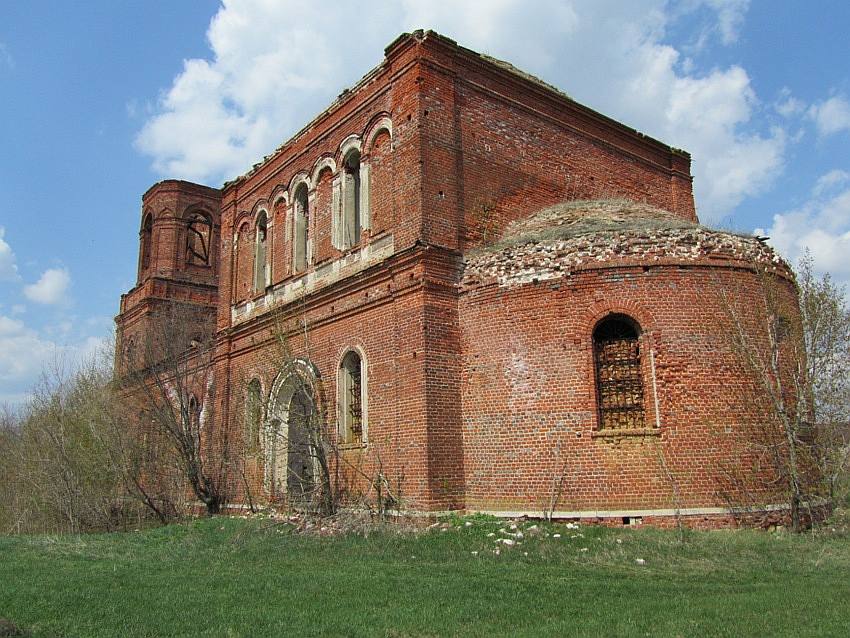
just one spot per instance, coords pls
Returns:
(510, 68)
(581, 217)
(581, 234)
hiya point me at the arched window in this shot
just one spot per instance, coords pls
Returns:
(351, 199)
(352, 399)
(128, 361)
(302, 226)
(198, 235)
(260, 258)
(147, 239)
(619, 382)
(194, 415)
(253, 416)
(242, 280)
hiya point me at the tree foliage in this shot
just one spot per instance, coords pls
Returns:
(826, 340)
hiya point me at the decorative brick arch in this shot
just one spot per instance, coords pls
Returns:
(364, 382)
(198, 242)
(279, 192)
(260, 206)
(202, 208)
(647, 336)
(350, 143)
(601, 309)
(146, 242)
(295, 182)
(326, 162)
(376, 127)
(296, 376)
(264, 249)
(242, 218)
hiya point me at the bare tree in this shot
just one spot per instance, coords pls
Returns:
(58, 465)
(303, 452)
(771, 337)
(299, 429)
(167, 380)
(826, 338)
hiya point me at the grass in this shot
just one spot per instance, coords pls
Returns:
(576, 218)
(233, 577)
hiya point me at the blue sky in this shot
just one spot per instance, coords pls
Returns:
(101, 99)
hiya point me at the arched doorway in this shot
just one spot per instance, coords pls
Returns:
(300, 457)
(290, 436)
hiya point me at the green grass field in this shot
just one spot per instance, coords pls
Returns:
(234, 577)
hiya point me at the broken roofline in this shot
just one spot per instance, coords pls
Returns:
(506, 69)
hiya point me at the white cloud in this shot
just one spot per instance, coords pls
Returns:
(787, 105)
(829, 181)
(831, 116)
(51, 288)
(729, 16)
(268, 74)
(8, 267)
(24, 355)
(822, 225)
(21, 351)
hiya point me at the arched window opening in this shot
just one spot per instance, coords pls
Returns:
(351, 199)
(193, 420)
(198, 234)
(129, 355)
(352, 399)
(242, 270)
(302, 226)
(260, 259)
(619, 382)
(253, 416)
(147, 241)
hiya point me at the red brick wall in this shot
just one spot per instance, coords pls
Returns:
(382, 184)
(382, 317)
(168, 203)
(169, 276)
(320, 222)
(529, 397)
(480, 397)
(244, 260)
(497, 148)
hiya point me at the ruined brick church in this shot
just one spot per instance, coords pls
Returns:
(508, 301)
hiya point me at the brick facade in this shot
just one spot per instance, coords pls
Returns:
(480, 387)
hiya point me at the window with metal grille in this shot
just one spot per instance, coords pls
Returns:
(619, 384)
(355, 405)
(351, 398)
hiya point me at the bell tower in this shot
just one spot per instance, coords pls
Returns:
(179, 252)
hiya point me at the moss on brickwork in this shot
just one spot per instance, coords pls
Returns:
(579, 233)
(572, 219)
